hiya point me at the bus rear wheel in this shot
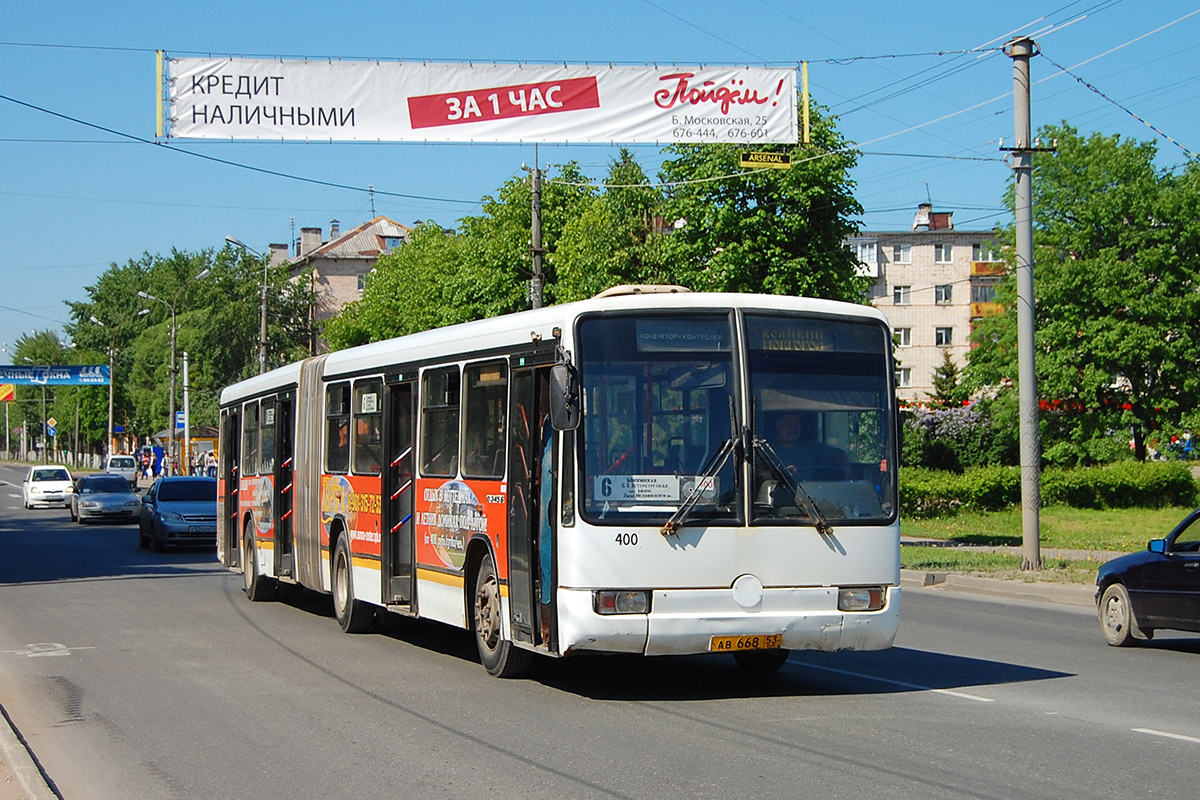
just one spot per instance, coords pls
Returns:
(499, 656)
(257, 587)
(353, 615)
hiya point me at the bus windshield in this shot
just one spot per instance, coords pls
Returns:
(822, 420)
(659, 403)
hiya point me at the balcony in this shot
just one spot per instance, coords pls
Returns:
(987, 268)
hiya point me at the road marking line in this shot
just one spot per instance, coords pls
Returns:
(1179, 736)
(951, 692)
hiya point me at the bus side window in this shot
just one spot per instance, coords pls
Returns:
(249, 464)
(439, 422)
(266, 451)
(367, 421)
(485, 405)
(337, 428)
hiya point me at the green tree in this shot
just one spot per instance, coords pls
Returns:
(613, 239)
(772, 230)
(35, 404)
(1117, 247)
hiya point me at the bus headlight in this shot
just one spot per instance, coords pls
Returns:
(621, 601)
(862, 598)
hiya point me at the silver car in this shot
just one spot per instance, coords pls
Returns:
(104, 497)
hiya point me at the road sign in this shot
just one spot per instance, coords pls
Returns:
(51, 430)
(179, 421)
(759, 160)
(52, 422)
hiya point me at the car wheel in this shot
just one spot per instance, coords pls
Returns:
(353, 615)
(257, 587)
(499, 656)
(143, 538)
(1116, 617)
(156, 542)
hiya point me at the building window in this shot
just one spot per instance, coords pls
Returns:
(943, 253)
(866, 252)
(984, 251)
(904, 378)
(942, 295)
(362, 282)
(903, 337)
(983, 293)
(943, 337)
(391, 242)
(902, 253)
(901, 295)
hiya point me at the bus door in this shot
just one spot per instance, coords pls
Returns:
(285, 486)
(531, 491)
(231, 442)
(399, 434)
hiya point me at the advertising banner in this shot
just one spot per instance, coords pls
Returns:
(70, 375)
(239, 98)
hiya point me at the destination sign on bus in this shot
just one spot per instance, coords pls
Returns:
(686, 336)
(651, 488)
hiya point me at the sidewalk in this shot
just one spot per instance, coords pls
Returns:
(20, 778)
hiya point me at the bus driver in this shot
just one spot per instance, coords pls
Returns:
(804, 455)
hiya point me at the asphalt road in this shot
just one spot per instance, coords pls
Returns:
(140, 675)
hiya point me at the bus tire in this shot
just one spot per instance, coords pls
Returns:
(760, 661)
(353, 615)
(257, 587)
(499, 656)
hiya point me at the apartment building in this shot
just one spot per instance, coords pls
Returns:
(932, 282)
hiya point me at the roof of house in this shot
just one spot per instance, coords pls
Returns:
(367, 242)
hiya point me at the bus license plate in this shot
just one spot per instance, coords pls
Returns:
(726, 644)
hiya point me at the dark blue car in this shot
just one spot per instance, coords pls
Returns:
(1156, 588)
(179, 510)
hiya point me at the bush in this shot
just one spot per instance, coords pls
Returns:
(1125, 484)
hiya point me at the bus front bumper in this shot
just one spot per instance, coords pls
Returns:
(685, 621)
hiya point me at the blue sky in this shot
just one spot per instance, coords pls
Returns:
(75, 198)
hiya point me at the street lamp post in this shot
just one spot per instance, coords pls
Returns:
(112, 375)
(262, 309)
(171, 307)
(45, 437)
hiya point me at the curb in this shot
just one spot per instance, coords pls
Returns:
(25, 771)
(1073, 594)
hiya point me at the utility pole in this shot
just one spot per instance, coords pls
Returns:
(537, 280)
(1020, 50)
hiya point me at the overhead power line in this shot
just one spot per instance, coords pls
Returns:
(227, 162)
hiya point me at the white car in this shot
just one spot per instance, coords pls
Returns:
(123, 465)
(47, 485)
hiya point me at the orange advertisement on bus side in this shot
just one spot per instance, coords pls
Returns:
(257, 495)
(447, 513)
(355, 499)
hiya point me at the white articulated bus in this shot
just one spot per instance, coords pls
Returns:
(650, 471)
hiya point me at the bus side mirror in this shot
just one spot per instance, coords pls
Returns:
(565, 407)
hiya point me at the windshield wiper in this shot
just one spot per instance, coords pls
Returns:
(707, 475)
(706, 479)
(794, 486)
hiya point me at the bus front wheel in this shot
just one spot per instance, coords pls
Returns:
(499, 656)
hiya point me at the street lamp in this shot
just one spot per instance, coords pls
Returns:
(262, 310)
(45, 458)
(204, 273)
(112, 375)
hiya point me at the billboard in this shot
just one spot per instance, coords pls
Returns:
(242, 98)
(67, 375)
